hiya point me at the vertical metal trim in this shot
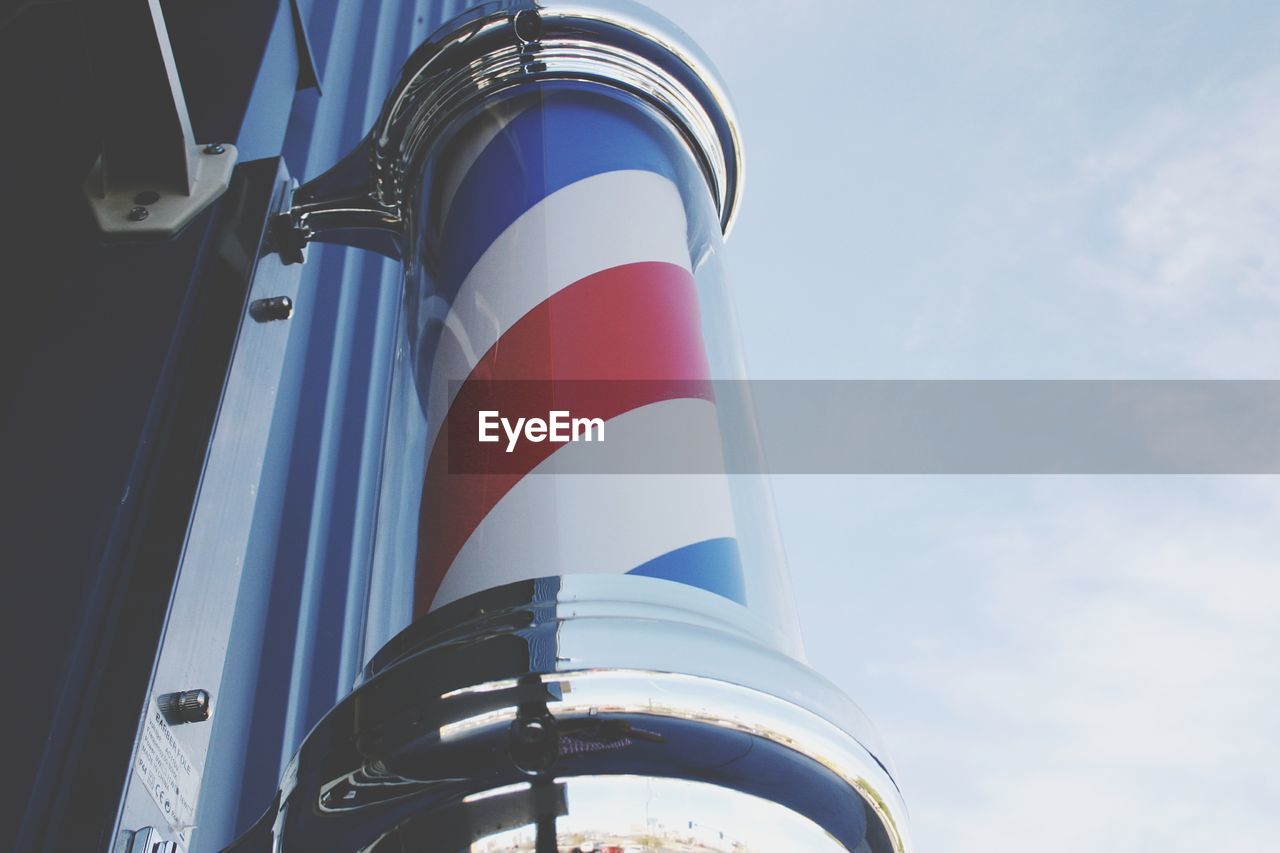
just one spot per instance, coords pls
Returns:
(389, 47)
(375, 416)
(205, 596)
(325, 554)
(327, 142)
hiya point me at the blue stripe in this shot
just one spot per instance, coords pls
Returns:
(564, 136)
(713, 564)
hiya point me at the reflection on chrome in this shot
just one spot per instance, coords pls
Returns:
(560, 750)
(360, 789)
(453, 731)
(487, 687)
(704, 702)
(497, 792)
(630, 814)
(726, 706)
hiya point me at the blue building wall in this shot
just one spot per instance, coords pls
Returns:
(91, 334)
(295, 648)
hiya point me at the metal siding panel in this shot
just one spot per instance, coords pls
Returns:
(238, 64)
(99, 391)
(327, 560)
(296, 640)
(281, 531)
(213, 570)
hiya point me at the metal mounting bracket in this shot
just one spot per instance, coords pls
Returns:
(152, 178)
(140, 207)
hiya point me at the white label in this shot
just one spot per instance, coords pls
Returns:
(167, 774)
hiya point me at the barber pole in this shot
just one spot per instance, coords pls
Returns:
(579, 273)
(577, 632)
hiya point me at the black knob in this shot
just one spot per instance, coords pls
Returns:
(273, 308)
(188, 706)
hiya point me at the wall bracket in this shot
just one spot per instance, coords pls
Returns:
(151, 178)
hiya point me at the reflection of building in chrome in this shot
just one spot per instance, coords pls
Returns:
(621, 814)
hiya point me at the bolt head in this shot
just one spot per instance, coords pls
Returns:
(528, 25)
(534, 744)
(532, 731)
(138, 214)
(214, 148)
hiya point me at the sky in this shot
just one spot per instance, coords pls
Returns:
(986, 190)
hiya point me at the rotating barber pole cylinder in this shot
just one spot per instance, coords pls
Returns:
(578, 627)
(572, 299)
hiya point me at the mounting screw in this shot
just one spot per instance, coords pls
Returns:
(532, 731)
(188, 706)
(138, 214)
(214, 148)
(274, 308)
(528, 25)
(534, 744)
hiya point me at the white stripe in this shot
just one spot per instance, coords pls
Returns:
(600, 222)
(559, 524)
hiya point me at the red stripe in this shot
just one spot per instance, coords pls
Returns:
(638, 323)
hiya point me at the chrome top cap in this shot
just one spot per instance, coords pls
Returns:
(502, 44)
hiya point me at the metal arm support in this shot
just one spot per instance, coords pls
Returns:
(152, 178)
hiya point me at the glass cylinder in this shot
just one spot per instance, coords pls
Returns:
(565, 278)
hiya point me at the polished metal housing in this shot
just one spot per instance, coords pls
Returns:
(515, 712)
(365, 199)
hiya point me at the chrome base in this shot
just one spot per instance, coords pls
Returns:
(588, 709)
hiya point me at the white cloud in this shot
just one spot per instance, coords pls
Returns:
(1108, 682)
(1063, 664)
(1199, 206)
